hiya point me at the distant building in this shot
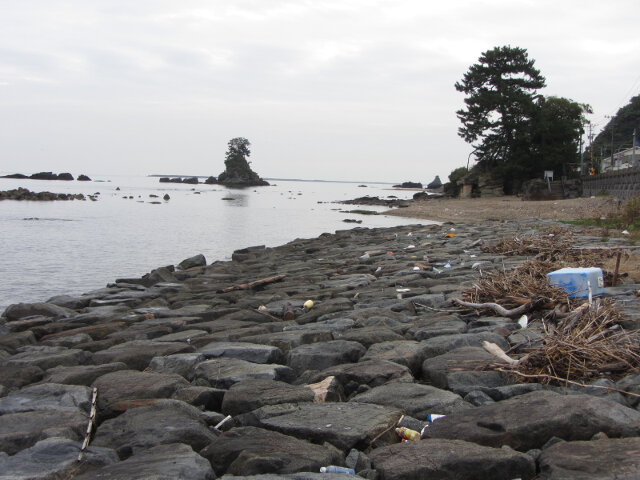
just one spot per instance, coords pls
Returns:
(627, 158)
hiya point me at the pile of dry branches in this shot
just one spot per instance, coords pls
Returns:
(588, 343)
(581, 342)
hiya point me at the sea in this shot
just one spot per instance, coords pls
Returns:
(54, 248)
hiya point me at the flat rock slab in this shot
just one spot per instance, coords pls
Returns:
(252, 451)
(404, 352)
(224, 372)
(368, 336)
(175, 461)
(21, 310)
(371, 373)
(53, 458)
(425, 329)
(460, 370)
(450, 460)
(181, 363)
(445, 343)
(344, 425)
(138, 353)
(48, 396)
(248, 395)
(607, 458)
(162, 422)
(48, 357)
(81, 374)
(529, 421)
(22, 430)
(249, 352)
(289, 340)
(16, 376)
(414, 399)
(318, 356)
(125, 385)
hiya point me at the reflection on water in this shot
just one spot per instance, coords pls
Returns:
(74, 247)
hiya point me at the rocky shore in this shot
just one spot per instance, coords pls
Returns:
(201, 371)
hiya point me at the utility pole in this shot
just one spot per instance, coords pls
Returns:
(633, 153)
(611, 123)
(590, 146)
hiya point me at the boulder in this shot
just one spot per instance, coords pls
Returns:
(53, 458)
(318, 356)
(47, 396)
(370, 373)
(460, 370)
(445, 343)
(137, 354)
(414, 399)
(162, 422)
(251, 394)
(117, 390)
(22, 430)
(249, 352)
(16, 376)
(175, 461)
(404, 352)
(21, 310)
(181, 363)
(450, 460)
(48, 357)
(344, 425)
(191, 262)
(436, 326)
(80, 374)
(598, 459)
(253, 451)
(529, 421)
(224, 372)
(368, 336)
(286, 341)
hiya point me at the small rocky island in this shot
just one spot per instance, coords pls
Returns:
(238, 173)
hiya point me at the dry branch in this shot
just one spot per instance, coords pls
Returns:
(254, 284)
(500, 310)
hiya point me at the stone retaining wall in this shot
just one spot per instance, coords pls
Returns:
(622, 184)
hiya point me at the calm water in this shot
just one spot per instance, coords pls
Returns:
(71, 247)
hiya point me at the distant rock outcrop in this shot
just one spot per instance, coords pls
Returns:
(437, 183)
(238, 173)
(409, 185)
(42, 176)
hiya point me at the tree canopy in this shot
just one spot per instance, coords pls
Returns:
(516, 132)
(619, 129)
(237, 170)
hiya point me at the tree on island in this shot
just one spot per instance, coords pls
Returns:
(516, 132)
(237, 171)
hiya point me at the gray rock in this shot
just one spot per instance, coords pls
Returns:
(371, 373)
(344, 425)
(429, 327)
(117, 390)
(286, 341)
(608, 458)
(52, 459)
(205, 397)
(12, 341)
(414, 399)
(445, 343)
(48, 357)
(318, 356)
(80, 374)
(529, 421)
(249, 352)
(224, 372)
(477, 398)
(357, 460)
(68, 341)
(137, 354)
(459, 371)
(181, 336)
(181, 363)
(450, 459)
(16, 376)
(252, 451)
(21, 310)
(174, 461)
(333, 325)
(22, 430)
(630, 383)
(404, 352)
(251, 394)
(368, 336)
(163, 422)
(191, 262)
(47, 396)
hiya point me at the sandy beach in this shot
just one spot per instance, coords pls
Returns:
(507, 208)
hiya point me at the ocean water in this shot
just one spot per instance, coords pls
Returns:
(72, 247)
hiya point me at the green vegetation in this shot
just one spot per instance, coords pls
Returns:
(629, 219)
(516, 132)
(618, 133)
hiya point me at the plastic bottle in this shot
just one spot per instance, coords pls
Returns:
(337, 469)
(408, 434)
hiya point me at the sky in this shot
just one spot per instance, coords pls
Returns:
(323, 89)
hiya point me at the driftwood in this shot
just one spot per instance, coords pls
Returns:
(255, 283)
(500, 310)
(92, 420)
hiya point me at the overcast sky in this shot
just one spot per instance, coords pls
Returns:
(324, 89)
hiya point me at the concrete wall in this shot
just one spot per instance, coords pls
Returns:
(621, 184)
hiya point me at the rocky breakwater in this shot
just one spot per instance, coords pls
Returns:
(26, 194)
(227, 369)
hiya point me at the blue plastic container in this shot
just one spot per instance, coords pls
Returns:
(575, 281)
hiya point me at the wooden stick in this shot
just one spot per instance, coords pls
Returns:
(92, 419)
(615, 273)
(499, 309)
(255, 283)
